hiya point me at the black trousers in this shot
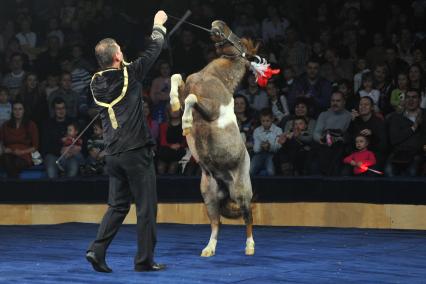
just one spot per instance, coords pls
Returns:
(131, 174)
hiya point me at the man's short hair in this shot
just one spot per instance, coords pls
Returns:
(57, 101)
(104, 51)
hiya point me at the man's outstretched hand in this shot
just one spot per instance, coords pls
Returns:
(160, 18)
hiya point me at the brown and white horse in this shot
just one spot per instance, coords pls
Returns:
(212, 133)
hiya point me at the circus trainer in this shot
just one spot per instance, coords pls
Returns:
(116, 89)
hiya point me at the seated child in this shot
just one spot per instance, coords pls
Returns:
(75, 151)
(95, 147)
(265, 144)
(362, 159)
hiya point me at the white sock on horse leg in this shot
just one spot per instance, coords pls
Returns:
(176, 81)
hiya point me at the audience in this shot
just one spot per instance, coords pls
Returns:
(373, 68)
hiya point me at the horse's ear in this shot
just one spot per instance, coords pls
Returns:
(251, 49)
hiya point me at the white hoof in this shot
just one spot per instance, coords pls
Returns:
(210, 249)
(207, 252)
(175, 104)
(250, 248)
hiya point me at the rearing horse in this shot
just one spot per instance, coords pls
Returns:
(212, 133)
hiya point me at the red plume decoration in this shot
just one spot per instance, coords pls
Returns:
(262, 70)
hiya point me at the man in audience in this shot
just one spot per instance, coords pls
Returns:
(407, 135)
(53, 131)
(313, 87)
(15, 79)
(330, 135)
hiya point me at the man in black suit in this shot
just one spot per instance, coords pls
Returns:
(117, 89)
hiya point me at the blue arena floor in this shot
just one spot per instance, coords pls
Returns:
(55, 254)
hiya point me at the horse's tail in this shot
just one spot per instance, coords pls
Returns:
(230, 209)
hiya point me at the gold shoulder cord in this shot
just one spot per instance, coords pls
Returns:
(111, 113)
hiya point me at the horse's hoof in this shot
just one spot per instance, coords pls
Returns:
(175, 106)
(207, 252)
(250, 248)
(186, 131)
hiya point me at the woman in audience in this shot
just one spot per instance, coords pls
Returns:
(172, 143)
(19, 138)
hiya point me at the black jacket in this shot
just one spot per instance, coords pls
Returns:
(132, 131)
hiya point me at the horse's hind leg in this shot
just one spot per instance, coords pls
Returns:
(209, 191)
(243, 193)
(176, 82)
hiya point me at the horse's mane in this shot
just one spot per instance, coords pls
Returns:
(250, 46)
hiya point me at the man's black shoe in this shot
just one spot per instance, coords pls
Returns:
(153, 267)
(98, 265)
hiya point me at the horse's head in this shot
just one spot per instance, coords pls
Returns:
(229, 44)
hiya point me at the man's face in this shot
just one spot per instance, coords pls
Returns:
(412, 101)
(312, 70)
(365, 107)
(66, 81)
(16, 63)
(337, 102)
(60, 111)
(32, 82)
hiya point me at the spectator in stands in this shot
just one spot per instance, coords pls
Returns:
(27, 39)
(335, 68)
(65, 92)
(245, 120)
(367, 89)
(153, 125)
(277, 102)
(34, 99)
(95, 162)
(296, 144)
(361, 68)
(5, 106)
(79, 61)
(160, 90)
(245, 26)
(345, 87)
(330, 135)
(376, 54)
(293, 52)
(313, 87)
(172, 143)
(187, 55)
(266, 144)
(419, 58)
(398, 94)
(417, 81)
(273, 26)
(52, 84)
(19, 137)
(54, 129)
(393, 62)
(288, 79)
(49, 61)
(75, 151)
(53, 29)
(362, 159)
(365, 122)
(407, 135)
(15, 79)
(382, 84)
(301, 109)
(258, 98)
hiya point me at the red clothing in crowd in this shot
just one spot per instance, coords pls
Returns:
(367, 158)
(20, 138)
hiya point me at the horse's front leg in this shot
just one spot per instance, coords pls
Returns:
(187, 118)
(176, 82)
(208, 190)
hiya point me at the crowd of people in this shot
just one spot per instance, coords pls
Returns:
(350, 98)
